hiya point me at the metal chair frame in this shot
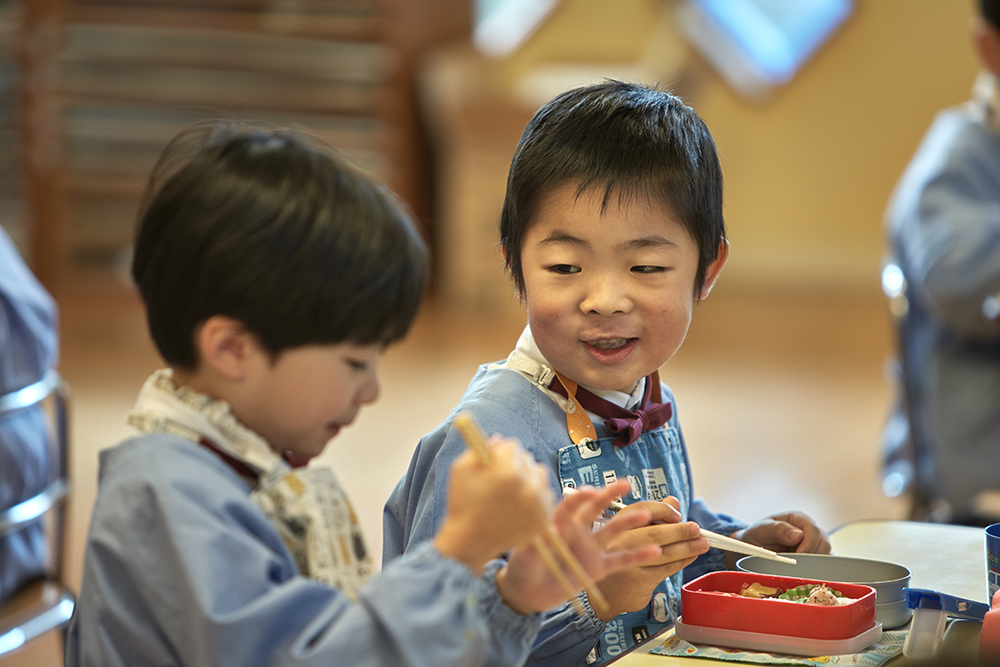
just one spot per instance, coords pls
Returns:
(44, 604)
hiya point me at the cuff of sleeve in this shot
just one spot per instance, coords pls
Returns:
(589, 623)
(502, 619)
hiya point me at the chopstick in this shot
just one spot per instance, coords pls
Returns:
(741, 547)
(725, 543)
(475, 439)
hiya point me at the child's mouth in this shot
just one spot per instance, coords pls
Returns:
(610, 343)
(611, 350)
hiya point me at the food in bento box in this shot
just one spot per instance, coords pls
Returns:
(815, 594)
(808, 593)
(759, 590)
(822, 595)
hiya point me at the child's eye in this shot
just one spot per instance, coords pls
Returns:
(357, 364)
(564, 269)
(648, 268)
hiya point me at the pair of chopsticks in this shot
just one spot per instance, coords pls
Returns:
(475, 439)
(723, 542)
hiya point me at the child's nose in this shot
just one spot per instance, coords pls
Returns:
(606, 296)
(370, 390)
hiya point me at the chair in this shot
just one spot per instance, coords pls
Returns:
(44, 604)
(908, 458)
(907, 461)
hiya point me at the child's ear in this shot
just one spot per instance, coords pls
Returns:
(715, 268)
(225, 345)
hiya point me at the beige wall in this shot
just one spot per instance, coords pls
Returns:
(808, 171)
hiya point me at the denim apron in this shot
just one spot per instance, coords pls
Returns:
(655, 467)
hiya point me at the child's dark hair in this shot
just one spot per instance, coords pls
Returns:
(272, 228)
(990, 10)
(632, 140)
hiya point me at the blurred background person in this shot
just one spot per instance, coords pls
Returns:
(944, 226)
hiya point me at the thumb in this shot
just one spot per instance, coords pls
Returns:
(774, 534)
(789, 535)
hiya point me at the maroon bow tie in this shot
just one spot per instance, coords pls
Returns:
(627, 424)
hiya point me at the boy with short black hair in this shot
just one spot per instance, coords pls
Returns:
(612, 229)
(274, 276)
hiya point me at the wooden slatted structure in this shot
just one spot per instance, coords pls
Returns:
(106, 83)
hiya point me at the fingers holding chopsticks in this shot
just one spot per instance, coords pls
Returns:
(528, 584)
(494, 503)
(783, 525)
(596, 549)
(539, 574)
(674, 544)
(646, 523)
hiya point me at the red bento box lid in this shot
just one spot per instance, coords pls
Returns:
(704, 603)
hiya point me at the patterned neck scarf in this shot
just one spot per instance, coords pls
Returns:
(307, 506)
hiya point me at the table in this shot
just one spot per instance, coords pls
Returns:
(945, 558)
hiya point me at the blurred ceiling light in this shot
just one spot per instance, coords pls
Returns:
(757, 45)
(501, 26)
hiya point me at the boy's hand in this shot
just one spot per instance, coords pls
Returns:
(790, 531)
(677, 546)
(525, 583)
(495, 506)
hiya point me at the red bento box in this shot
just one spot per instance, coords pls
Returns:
(704, 603)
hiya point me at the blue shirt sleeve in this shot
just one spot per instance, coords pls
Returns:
(181, 568)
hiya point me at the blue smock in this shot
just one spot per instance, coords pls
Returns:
(506, 402)
(181, 568)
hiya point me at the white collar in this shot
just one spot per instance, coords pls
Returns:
(986, 98)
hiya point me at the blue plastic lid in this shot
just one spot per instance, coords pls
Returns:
(922, 598)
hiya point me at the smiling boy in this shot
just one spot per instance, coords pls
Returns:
(612, 229)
